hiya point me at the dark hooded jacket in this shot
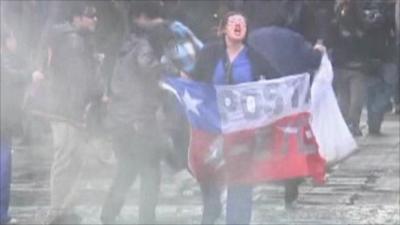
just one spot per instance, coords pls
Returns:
(72, 82)
(135, 93)
(349, 42)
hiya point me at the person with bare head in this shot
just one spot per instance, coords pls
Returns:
(348, 60)
(379, 50)
(131, 119)
(71, 86)
(155, 47)
(229, 61)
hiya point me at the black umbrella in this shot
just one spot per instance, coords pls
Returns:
(287, 51)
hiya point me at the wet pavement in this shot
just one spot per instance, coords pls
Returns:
(362, 189)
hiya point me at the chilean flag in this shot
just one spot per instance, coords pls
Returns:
(249, 133)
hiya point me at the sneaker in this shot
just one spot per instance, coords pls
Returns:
(355, 131)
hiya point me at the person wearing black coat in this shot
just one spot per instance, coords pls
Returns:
(379, 26)
(69, 88)
(132, 119)
(349, 61)
(132, 122)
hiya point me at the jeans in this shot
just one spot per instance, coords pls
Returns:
(380, 89)
(136, 154)
(351, 90)
(69, 159)
(5, 179)
(238, 206)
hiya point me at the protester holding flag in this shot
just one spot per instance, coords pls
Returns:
(229, 62)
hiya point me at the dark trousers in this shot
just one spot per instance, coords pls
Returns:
(136, 154)
(238, 204)
(291, 190)
(377, 104)
(5, 179)
(396, 94)
(351, 90)
(381, 87)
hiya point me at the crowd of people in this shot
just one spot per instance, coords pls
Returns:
(73, 68)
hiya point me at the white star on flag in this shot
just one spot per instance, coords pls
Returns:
(191, 103)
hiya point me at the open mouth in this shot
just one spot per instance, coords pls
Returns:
(237, 30)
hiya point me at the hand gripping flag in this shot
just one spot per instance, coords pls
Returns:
(251, 132)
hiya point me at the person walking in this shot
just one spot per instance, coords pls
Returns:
(349, 62)
(131, 120)
(72, 85)
(230, 61)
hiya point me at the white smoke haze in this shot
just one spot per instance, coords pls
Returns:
(31, 22)
(33, 152)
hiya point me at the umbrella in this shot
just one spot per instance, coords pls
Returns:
(287, 51)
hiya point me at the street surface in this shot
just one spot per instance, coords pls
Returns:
(362, 189)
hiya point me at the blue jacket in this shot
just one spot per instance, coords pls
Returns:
(212, 53)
